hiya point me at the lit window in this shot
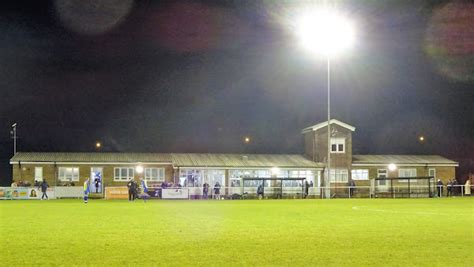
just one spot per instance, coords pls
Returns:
(337, 145)
(339, 176)
(360, 174)
(68, 174)
(407, 173)
(39, 174)
(123, 174)
(155, 174)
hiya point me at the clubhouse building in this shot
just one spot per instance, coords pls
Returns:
(192, 170)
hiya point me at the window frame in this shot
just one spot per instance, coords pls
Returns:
(161, 174)
(406, 181)
(338, 141)
(334, 173)
(63, 178)
(355, 176)
(37, 177)
(120, 178)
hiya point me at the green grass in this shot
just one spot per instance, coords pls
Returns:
(356, 232)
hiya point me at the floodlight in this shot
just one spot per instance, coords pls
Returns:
(324, 31)
(392, 167)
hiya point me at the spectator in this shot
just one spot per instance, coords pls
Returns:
(44, 187)
(467, 188)
(131, 190)
(217, 191)
(352, 186)
(260, 191)
(455, 187)
(205, 190)
(440, 187)
(449, 188)
(97, 184)
(306, 189)
(311, 184)
(86, 190)
(14, 184)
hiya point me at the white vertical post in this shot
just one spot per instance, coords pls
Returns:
(327, 182)
(14, 138)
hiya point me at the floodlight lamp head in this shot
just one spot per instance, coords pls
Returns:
(325, 32)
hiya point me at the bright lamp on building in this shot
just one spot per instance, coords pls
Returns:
(392, 167)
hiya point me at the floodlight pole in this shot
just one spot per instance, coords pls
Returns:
(327, 183)
(14, 138)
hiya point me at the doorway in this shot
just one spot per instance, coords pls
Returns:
(96, 181)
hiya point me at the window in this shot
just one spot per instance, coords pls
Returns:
(407, 173)
(123, 174)
(382, 173)
(432, 172)
(196, 178)
(155, 174)
(39, 174)
(337, 145)
(339, 176)
(360, 174)
(68, 174)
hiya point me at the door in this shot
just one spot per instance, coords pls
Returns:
(382, 185)
(96, 180)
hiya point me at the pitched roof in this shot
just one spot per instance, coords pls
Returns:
(90, 157)
(177, 159)
(402, 159)
(325, 124)
(243, 160)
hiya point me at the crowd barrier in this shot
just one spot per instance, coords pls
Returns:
(35, 192)
(121, 192)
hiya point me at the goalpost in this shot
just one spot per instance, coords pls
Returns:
(273, 188)
(403, 187)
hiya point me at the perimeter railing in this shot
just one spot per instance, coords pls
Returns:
(269, 192)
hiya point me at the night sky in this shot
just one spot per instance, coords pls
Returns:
(199, 76)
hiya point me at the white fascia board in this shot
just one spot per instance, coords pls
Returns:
(407, 164)
(88, 163)
(324, 124)
(248, 168)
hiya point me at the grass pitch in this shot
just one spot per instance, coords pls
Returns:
(354, 232)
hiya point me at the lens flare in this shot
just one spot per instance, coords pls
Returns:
(449, 41)
(92, 17)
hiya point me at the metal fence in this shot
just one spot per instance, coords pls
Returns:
(244, 192)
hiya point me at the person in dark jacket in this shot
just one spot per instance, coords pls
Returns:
(306, 189)
(217, 191)
(449, 188)
(351, 187)
(44, 187)
(260, 191)
(440, 185)
(132, 188)
(205, 190)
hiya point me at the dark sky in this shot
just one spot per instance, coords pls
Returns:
(198, 76)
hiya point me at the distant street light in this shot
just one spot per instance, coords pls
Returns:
(247, 139)
(98, 145)
(421, 138)
(328, 33)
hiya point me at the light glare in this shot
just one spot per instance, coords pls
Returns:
(392, 167)
(324, 32)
